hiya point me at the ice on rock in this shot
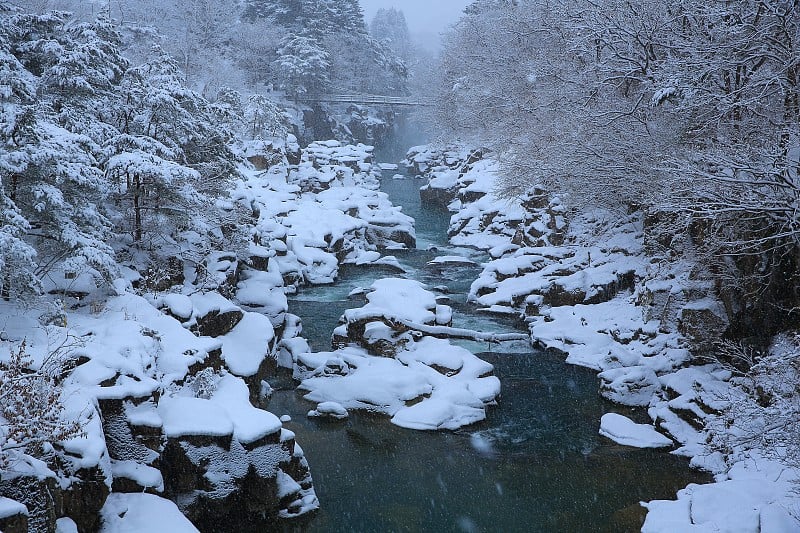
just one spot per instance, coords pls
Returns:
(623, 430)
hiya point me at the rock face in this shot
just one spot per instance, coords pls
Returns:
(221, 484)
(368, 125)
(703, 323)
(40, 497)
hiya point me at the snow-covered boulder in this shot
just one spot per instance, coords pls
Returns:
(142, 512)
(385, 365)
(329, 410)
(623, 430)
(214, 314)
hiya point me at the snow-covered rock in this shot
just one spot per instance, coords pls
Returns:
(384, 366)
(127, 513)
(13, 516)
(329, 410)
(334, 183)
(623, 430)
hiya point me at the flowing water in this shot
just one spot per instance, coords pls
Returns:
(536, 464)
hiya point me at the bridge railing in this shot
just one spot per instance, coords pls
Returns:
(367, 99)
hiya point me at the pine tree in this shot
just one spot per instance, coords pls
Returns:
(302, 66)
(55, 183)
(390, 26)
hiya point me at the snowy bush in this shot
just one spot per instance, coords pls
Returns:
(30, 406)
(763, 411)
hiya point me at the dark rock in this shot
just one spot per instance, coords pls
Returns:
(232, 489)
(436, 196)
(42, 497)
(15, 523)
(216, 324)
(702, 326)
(84, 498)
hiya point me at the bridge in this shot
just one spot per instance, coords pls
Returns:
(367, 99)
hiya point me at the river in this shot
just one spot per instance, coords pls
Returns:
(536, 464)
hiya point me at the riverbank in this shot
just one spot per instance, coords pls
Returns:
(210, 343)
(536, 462)
(163, 375)
(588, 286)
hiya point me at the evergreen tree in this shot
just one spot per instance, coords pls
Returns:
(390, 26)
(170, 159)
(56, 182)
(302, 66)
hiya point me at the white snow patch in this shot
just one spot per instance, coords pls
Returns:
(134, 513)
(623, 430)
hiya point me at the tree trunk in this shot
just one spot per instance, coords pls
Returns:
(137, 208)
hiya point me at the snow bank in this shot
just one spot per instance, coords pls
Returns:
(757, 496)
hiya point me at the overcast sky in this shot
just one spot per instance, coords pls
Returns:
(426, 18)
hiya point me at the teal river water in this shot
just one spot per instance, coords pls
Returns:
(536, 464)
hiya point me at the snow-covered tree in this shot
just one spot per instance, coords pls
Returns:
(264, 118)
(687, 107)
(170, 159)
(17, 92)
(55, 180)
(302, 66)
(390, 26)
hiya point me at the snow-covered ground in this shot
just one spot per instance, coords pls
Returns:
(589, 289)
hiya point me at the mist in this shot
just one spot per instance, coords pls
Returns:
(426, 20)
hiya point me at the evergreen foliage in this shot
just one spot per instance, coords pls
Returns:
(91, 149)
